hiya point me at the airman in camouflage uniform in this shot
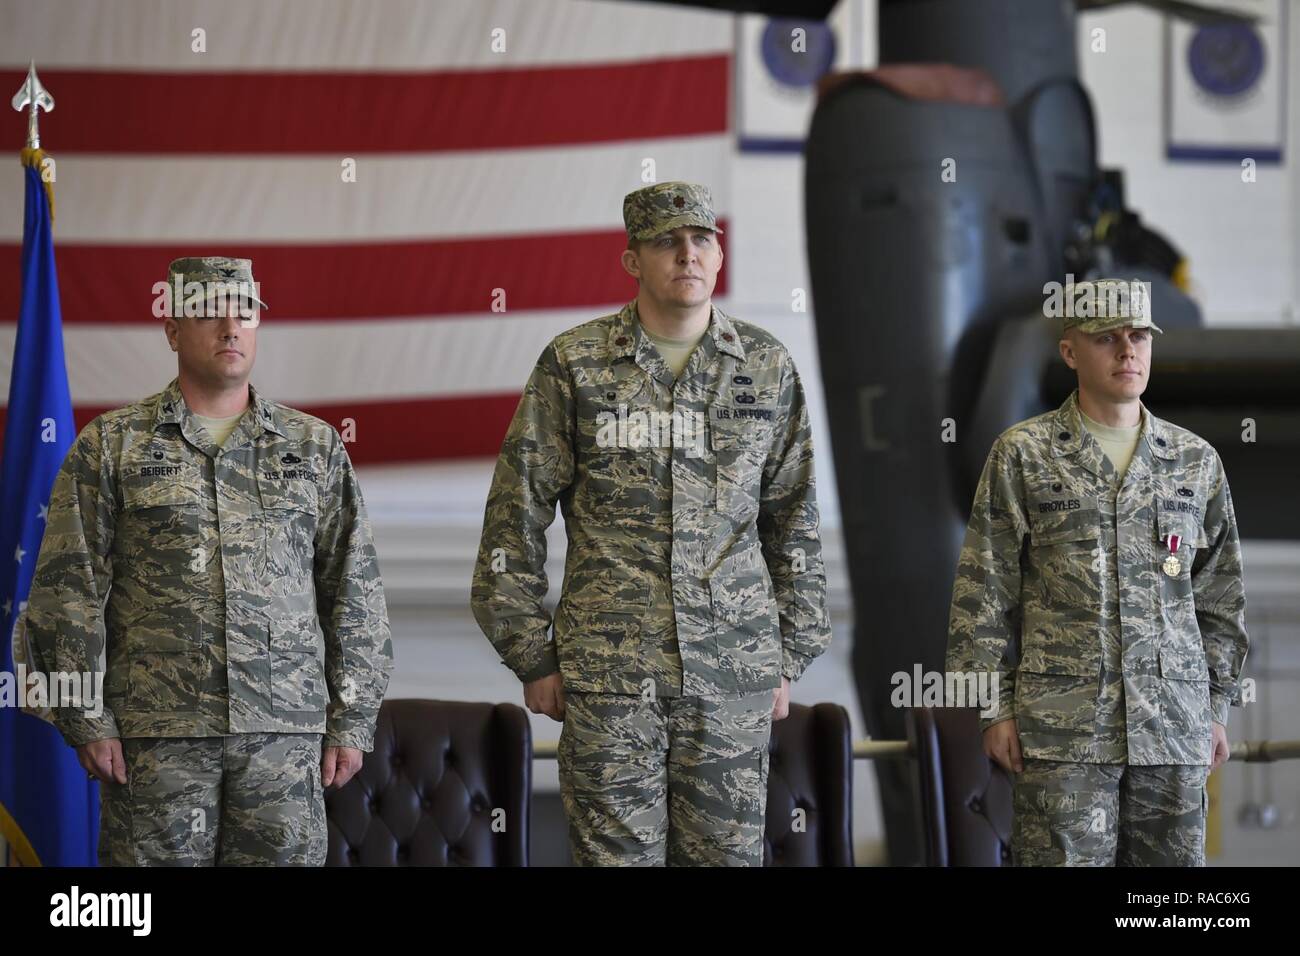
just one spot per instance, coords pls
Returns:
(1111, 608)
(234, 594)
(693, 578)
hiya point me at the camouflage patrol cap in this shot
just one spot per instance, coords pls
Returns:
(661, 208)
(1098, 305)
(219, 276)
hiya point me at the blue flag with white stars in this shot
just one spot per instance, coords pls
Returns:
(49, 810)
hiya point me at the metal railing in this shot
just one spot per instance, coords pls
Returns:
(1247, 751)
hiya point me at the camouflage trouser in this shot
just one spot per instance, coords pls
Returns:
(680, 781)
(244, 800)
(1096, 814)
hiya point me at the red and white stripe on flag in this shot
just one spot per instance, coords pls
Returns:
(493, 143)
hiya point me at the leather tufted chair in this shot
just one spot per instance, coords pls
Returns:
(811, 768)
(440, 773)
(965, 797)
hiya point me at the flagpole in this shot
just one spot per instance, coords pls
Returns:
(35, 98)
(48, 810)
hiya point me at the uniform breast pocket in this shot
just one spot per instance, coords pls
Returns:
(623, 442)
(289, 510)
(1173, 568)
(739, 454)
(297, 677)
(613, 414)
(161, 522)
(1065, 546)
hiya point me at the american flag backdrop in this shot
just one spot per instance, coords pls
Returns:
(491, 143)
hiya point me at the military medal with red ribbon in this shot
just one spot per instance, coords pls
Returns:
(1172, 564)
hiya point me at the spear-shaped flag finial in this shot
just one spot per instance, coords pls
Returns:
(34, 97)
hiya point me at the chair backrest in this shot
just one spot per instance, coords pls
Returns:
(447, 784)
(965, 796)
(811, 770)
